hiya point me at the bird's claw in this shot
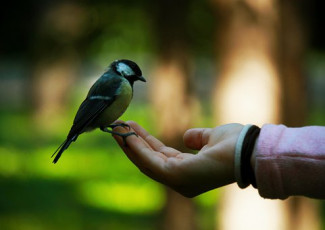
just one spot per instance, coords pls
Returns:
(119, 125)
(123, 135)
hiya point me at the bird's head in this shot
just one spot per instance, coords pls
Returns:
(128, 69)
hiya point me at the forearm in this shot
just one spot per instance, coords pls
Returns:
(290, 161)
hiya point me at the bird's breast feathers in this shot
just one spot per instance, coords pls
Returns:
(119, 105)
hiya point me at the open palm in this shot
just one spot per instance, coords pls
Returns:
(187, 173)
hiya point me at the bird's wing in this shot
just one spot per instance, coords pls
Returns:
(100, 96)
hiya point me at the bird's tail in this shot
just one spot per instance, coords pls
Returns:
(61, 149)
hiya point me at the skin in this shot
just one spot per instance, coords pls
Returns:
(187, 173)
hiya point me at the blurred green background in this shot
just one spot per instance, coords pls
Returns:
(50, 53)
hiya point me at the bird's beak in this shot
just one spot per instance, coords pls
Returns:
(141, 78)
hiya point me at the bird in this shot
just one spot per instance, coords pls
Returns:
(106, 101)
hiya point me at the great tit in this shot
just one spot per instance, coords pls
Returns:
(106, 101)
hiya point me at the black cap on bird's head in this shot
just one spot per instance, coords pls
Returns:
(128, 69)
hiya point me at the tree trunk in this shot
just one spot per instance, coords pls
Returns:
(248, 91)
(173, 111)
(51, 84)
(172, 99)
(56, 60)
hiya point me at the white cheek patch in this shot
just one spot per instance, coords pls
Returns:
(124, 69)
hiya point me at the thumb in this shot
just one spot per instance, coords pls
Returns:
(197, 138)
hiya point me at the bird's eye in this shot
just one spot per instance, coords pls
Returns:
(124, 69)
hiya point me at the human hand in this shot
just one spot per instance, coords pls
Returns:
(187, 173)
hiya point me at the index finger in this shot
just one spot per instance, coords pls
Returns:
(153, 142)
(141, 154)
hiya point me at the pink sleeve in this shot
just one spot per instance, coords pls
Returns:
(290, 161)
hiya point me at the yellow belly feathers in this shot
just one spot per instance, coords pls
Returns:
(118, 107)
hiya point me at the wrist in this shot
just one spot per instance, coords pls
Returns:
(244, 169)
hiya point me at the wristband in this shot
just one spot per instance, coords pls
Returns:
(244, 174)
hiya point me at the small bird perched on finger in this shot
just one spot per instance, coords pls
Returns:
(106, 101)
